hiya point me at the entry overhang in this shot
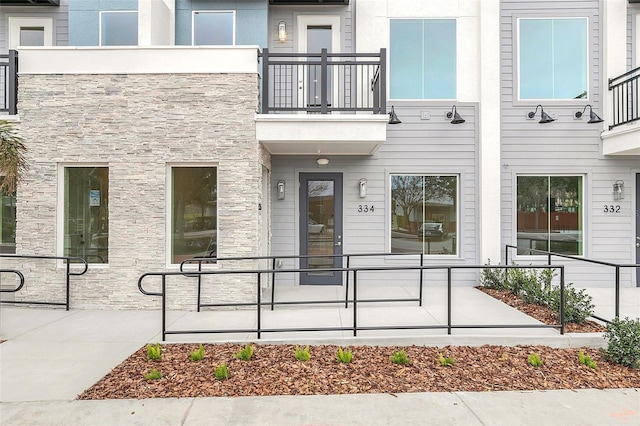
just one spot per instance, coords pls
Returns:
(328, 134)
(622, 141)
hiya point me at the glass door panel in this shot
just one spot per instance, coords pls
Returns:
(321, 227)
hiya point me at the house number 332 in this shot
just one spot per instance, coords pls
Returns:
(611, 209)
(365, 208)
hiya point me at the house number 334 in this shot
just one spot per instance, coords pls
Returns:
(365, 208)
(611, 209)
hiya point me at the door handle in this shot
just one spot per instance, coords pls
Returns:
(338, 244)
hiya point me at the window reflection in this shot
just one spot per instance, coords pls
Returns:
(424, 214)
(549, 214)
(194, 213)
(86, 213)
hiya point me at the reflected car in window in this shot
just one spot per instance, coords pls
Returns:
(315, 227)
(433, 230)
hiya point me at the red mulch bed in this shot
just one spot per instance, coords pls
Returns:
(273, 370)
(541, 313)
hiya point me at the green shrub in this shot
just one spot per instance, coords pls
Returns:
(344, 356)
(586, 360)
(623, 342)
(154, 352)
(534, 360)
(400, 357)
(197, 355)
(221, 372)
(154, 374)
(446, 361)
(578, 305)
(493, 278)
(302, 354)
(245, 353)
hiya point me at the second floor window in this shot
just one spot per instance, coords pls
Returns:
(118, 28)
(422, 59)
(214, 28)
(552, 58)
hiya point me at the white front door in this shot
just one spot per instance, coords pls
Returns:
(314, 33)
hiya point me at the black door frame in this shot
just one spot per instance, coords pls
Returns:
(329, 278)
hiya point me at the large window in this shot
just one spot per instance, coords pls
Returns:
(552, 58)
(7, 223)
(424, 214)
(213, 28)
(86, 213)
(118, 28)
(422, 59)
(549, 214)
(194, 216)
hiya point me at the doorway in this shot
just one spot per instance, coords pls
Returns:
(321, 227)
(317, 32)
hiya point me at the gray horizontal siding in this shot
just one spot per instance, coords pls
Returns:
(566, 146)
(416, 146)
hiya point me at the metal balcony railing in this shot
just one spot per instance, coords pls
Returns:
(9, 83)
(323, 82)
(626, 98)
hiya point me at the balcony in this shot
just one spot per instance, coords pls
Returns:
(9, 83)
(623, 136)
(322, 103)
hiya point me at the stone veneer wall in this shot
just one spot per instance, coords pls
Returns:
(137, 125)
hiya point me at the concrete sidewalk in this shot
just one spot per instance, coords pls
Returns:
(51, 355)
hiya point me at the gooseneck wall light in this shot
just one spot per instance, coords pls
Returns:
(544, 117)
(454, 116)
(393, 118)
(593, 117)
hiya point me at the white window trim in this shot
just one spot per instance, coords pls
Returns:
(514, 238)
(193, 24)
(389, 98)
(169, 210)
(516, 47)
(60, 212)
(388, 214)
(16, 23)
(115, 11)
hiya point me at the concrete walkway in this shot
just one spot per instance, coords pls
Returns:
(51, 355)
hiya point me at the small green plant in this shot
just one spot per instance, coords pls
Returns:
(302, 354)
(400, 357)
(578, 304)
(586, 360)
(245, 353)
(344, 355)
(197, 355)
(534, 360)
(154, 374)
(221, 372)
(446, 361)
(154, 352)
(493, 277)
(623, 342)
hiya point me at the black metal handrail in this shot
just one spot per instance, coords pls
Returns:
(275, 258)
(69, 273)
(625, 98)
(323, 82)
(9, 82)
(20, 277)
(549, 254)
(355, 327)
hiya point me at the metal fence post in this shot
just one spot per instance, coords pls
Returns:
(449, 300)
(68, 279)
(164, 307)
(355, 303)
(199, 282)
(346, 290)
(617, 291)
(259, 319)
(273, 282)
(562, 299)
(421, 275)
